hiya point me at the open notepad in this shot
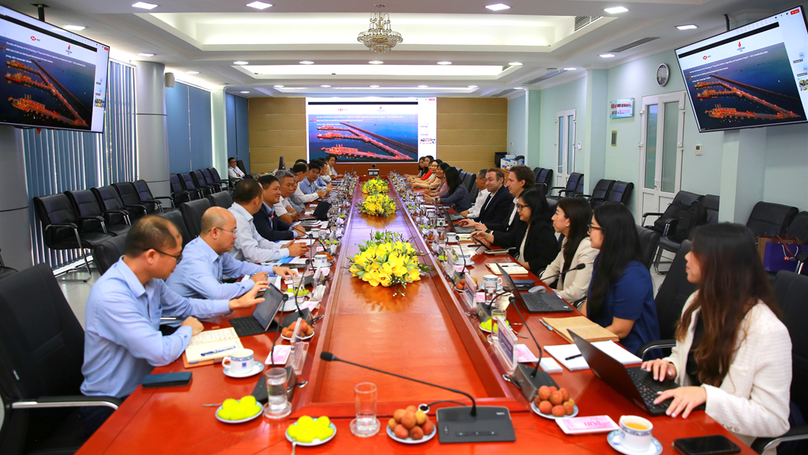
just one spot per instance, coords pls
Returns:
(511, 268)
(615, 351)
(212, 345)
(585, 328)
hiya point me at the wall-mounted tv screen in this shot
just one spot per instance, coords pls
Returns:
(363, 130)
(752, 76)
(54, 78)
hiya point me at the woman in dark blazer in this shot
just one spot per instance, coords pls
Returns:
(457, 195)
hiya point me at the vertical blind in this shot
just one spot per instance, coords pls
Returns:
(57, 161)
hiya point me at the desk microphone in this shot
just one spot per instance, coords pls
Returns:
(299, 313)
(481, 424)
(541, 289)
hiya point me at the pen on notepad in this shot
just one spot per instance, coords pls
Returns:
(546, 325)
(169, 319)
(217, 351)
(573, 357)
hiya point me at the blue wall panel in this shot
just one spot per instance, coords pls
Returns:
(230, 123)
(243, 131)
(201, 129)
(179, 131)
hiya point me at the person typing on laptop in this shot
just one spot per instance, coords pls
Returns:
(122, 341)
(498, 205)
(732, 353)
(206, 262)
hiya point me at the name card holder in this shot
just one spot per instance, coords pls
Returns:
(503, 343)
(299, 350)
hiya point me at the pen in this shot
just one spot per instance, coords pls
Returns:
(217, 351)
(169, 319)
(546, 325)
(573, 357)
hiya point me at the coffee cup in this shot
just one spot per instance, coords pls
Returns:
(240, 361)
(320, 260)
(451, 237)
(635, 433)
(315, 233)
(491, 282)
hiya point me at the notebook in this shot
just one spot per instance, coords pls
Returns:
(211, 345)
(587, 329)
(511, 268)
(564, 351)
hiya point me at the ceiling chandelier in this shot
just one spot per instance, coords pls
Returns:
(380, 38)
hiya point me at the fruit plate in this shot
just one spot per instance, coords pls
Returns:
(261, 410)
(552, 417)
(303, 338)
(316, 442)
(488, 330)
(409, 440)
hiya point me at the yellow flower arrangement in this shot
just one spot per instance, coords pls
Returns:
(378, 205)
(375, 186)
(387, 260)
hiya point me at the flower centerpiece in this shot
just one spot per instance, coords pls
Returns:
(375, 186)
(378, 205)
(387, 260)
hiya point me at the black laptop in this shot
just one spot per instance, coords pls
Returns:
(262, 319)
(633, 383)
(536, 303)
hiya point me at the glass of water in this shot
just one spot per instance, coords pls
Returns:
(365, 424)
(278, 406)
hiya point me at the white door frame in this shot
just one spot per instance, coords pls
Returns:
(655, 200)
(567, 145)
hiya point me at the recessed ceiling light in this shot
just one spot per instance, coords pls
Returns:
(515, 64)
(144, 5)
(75, 28)
(325, 86)
(472, 86)
(192, 72)
(497, 7)
(518, 88)
(444, 63)
(245, 91)
(616, 10)
(606, 55)
(259, 5)
(375, 62)
(687, 27)
(570, 69)
(278, 86)
(307, 62)
(240, 62)
(145, 54)
(423, 86)
(374, 86)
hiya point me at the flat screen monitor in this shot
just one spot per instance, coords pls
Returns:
(755, 75)
(54, 78)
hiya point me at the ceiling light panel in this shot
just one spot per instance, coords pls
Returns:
(687, 27)
(259, 5)
(616, 10)
(241, 62)
(312, 71)
(498, 7)
(74, 28)
(144, 5)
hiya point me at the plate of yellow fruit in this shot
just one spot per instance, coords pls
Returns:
(311, 432)
(486, 326)
(239, 411)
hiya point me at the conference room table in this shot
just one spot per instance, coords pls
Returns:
(424, 334)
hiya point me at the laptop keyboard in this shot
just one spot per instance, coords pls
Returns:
(534, 303)
(246, 326)
(464, 229)
(648, 394)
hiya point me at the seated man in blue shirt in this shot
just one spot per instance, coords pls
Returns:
(309, 185)
(123, 342)
(205, 262)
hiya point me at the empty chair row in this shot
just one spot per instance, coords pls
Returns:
(194, 185)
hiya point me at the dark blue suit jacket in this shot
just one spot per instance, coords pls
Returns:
(497, 212)
(270, 226)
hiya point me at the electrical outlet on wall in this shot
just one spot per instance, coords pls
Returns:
(698, 149)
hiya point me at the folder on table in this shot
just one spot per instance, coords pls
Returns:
(585, 328)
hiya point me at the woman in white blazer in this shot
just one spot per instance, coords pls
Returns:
(732, 354)
(572, 219)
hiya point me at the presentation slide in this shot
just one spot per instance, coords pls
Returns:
(371, 129)
(54, 79)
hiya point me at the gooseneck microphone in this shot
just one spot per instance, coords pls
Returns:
(329, 357)
(541, 289)
(483, 424)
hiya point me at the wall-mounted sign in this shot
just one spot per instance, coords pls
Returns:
(622, 108)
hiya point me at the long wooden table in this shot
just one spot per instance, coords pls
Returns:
(425, 334)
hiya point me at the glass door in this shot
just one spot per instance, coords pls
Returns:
(565, 146)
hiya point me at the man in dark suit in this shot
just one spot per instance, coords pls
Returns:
(497, 208)
(269, 225)
(520, 179)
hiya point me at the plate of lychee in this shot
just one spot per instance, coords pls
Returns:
(554, 403)
(411, 426)
(306, 331)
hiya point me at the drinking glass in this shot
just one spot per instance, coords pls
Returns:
(278, 405)
(365, 424)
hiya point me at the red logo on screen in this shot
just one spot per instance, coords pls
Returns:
(106, 48)
(704, 58)
(33, 38)
(796, 11)
(739, 44)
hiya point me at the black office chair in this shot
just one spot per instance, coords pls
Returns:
(620, 192)
(217, 178)
(61, 228)
(669, 301)
(113, 206)
(665, 224)
(107, 253)
(220, 199)
(770, 219)
(536, 172)
(201, 183)
(188, 185)
(130, 198)
(600, 192)
(41, 354)
(5, 271)
(152, 203)
(545, 180)
(790, 290)
(178, 193)
(92, 215)
(470, 180)
(192, 214)
(240, 164)
(798, 229)
(649, 241)
(575, 185)
(175, 216)
(220, 184)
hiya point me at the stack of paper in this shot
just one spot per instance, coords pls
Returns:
(511, 268)
(582, 326)
(565, 351)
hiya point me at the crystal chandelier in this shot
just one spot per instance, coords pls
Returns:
(380, 38)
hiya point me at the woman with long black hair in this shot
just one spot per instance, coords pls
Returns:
(571, 219)
(621, 293)
(457, 194)
(732, 353)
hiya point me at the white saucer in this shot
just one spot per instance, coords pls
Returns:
(552, 417)
(257, 368)
(290, 304)
(261, 411)
(302, 338)
(409, 440)
(612, 438)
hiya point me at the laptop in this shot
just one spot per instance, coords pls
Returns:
(633, 383)
(536, 303)
(464, 229)
(262, 319)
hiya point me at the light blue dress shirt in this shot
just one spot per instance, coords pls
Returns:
(320, 184)
(122, 340)
(307, 186)
(250, 246)
(200, 273)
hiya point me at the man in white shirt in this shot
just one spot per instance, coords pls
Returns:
(482, 194)
(301, 171)
(233, 170)
(284, 209)
(250, 246)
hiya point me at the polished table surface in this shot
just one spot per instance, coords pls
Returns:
(425, 334)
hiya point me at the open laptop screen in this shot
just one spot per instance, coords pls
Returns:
(265, 311)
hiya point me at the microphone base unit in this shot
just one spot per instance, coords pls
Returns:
(491, 424)
(528, 383)
(292, 317)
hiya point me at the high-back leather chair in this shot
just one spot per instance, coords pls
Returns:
(192, 214)
(130, 198)
(112, 204)
(220, 199)
(711, 203)
(219, 184)
(600, 192)
(91, 214)
(108, 253)
(768, 218)
(202, 183)
(620, 192)
(178, 192)
(545, 180)
(649, 241)
(189, 185)
(152, 203)
(175, 216)
(575, 185)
